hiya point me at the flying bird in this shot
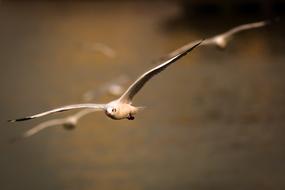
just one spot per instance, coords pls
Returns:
(120, 108)
(99, 47)
(221, 40)
(114, 87)
(68, 123)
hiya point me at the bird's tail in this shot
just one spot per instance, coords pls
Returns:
(140, 108)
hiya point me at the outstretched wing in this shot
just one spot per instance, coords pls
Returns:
(38, 128)
(246, 27)
(83, 112)
(139, 83)
(61, 109)
(229, 34)
(44, 125)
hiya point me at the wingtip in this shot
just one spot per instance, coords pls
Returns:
(20, 119)
(201, 41)
(193, 47)
(197, 44)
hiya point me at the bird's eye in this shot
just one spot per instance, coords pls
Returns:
(114, 110)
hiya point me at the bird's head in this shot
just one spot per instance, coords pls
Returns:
(112, 111)
(221, 42)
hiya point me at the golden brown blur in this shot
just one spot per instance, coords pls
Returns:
(213, 120)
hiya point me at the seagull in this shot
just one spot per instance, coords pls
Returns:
(99, 47)
(114, 87)
(68, 123)
(221, 40)
(122, 107)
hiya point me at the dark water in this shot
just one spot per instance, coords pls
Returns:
(215, 120)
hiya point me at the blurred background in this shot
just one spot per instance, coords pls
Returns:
(214, 120)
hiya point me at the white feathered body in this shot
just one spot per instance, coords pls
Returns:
(118, 110)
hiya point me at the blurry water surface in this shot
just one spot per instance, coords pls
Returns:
(214, 120)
